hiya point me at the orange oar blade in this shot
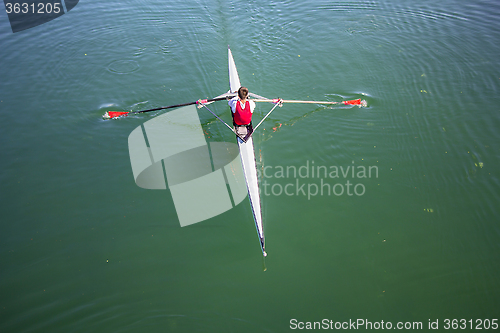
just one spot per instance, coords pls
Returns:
(353, 102)
(356, 102)
(114, 114)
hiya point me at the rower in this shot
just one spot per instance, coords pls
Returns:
(242, 110)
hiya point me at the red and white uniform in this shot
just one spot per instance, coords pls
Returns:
(242, 113)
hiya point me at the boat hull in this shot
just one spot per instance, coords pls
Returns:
(247, 155)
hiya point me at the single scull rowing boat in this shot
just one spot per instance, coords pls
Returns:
(247, 155)
(244, 138)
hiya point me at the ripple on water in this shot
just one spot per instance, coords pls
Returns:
(123, 66)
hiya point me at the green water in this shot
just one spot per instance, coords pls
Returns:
(84, 249)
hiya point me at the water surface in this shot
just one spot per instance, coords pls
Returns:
(84, 249)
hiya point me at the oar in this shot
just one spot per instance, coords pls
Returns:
(277, 100)
(115, 114)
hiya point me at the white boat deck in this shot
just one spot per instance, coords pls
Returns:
(248, 161)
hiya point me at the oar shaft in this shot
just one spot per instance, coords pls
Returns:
(310, 102)
(295, 101)
(114, 114)
(183, 104)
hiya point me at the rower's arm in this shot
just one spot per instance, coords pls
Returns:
(232, 103)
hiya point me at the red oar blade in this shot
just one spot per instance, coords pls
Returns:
(356, 102)
(114, 114)
(353, 102)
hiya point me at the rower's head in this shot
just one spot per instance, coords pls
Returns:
(243, 93)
